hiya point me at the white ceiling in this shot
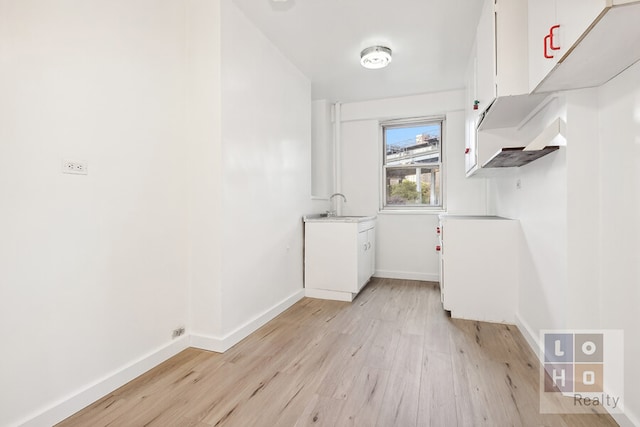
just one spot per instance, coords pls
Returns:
(430, 40)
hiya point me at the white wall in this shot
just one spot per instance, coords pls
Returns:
(197, 135)
(541, 207)
(557, 206)
(203, 119)
(322, 152)
(619, 109)
(92, 268)
(266, 137)
(405, 241)
(583, 210)
(578, 208)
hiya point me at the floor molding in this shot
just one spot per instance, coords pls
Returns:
(310, 335)
(222, 344)
(627, 419)
(70, 405)
(531, 337)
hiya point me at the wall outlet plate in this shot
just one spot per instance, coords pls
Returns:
(178, 332)
(74, 167)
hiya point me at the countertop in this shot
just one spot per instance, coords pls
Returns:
(319, 218)
(474, 217)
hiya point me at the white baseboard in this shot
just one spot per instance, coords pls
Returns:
(628, 419)
(222, 344)
(72, 404)
(532, 338)
(68, 406)
(407, 275)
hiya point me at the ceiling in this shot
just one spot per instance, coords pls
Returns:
(430, 40)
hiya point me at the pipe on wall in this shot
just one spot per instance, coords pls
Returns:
(337, 166)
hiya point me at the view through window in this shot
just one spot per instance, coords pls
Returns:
(412, 164)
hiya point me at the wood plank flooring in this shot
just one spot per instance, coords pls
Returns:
(391, 358)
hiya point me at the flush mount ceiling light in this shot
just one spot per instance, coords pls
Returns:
(375, 57)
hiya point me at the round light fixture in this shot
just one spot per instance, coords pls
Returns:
(375, 57)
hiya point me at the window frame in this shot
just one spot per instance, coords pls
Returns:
(403, 123)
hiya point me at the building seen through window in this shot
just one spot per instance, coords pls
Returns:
(412, 164)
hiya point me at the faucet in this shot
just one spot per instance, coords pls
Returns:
(338, 194)
(333, 212)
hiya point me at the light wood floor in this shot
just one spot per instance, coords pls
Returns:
(390, 358)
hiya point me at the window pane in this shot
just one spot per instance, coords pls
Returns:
(412, 186)
(412, 144)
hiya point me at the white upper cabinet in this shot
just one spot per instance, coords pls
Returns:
(511, 63)
(485, 57)
(555, 26)
(503, 64)
(497, 80)
(471, 113)
(580, 43)
(501, 40)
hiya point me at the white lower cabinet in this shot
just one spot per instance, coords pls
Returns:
(479, 267)
(339, 257)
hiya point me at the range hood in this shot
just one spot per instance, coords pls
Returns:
(508, 157)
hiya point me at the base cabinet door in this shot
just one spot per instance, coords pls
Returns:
(363, 258)
(366, 256)
(371, 234)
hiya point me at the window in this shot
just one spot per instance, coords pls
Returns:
(412, 164)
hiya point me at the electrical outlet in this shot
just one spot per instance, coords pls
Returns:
(177, 332)
(74, 167)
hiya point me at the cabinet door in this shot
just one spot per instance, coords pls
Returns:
(364, 263)
(542, 58)
(575, 17)
(366, 256)
(471, 114)
(371, 236)
(486, 54)
(440, 232)
(554, 27)
(511, 47)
